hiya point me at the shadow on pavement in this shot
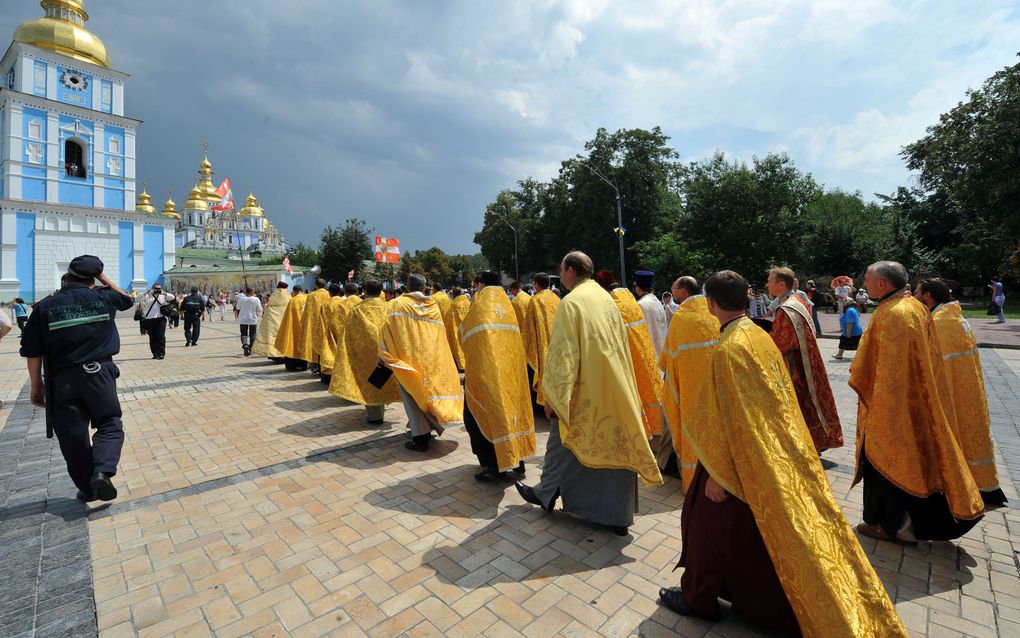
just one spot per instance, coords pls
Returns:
(312, 385)
(331, 425)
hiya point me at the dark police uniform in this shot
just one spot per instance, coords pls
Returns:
(74, 328)
(193, 307)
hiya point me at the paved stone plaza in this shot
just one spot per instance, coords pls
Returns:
(254, 504)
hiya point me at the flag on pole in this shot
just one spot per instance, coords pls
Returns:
(387, 249)
(286, 263)
(350, 275)
(226, 196)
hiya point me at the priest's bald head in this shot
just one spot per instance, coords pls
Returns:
(884, 278)
(685, 287)
(575, 268)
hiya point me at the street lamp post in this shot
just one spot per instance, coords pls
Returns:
(517, 269)
(619, 220)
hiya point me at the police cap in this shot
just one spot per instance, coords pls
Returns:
(85, 267)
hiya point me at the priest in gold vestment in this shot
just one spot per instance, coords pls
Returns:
(537, 329)
(597, 445)
(760, 525)
(265, 341)
(326, 346)
(442, 300)
(520, 301)
(452, 319)
(497, 399)
(917, 484)
(357, 355)
(334, 317)
(693, 334)
(413, 346)
(967, 399)
(288, 339)
(312, 327)
(642, 352)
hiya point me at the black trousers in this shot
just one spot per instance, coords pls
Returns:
(156, 329)
(248, 335)
(192, 328)
(79, 398)
(21, 323)
(480, 446)
(175, 321)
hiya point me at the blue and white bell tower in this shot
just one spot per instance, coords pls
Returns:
(67, 162)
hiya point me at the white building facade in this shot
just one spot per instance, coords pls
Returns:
(67, 162)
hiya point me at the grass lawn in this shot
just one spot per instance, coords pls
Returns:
(973, 310)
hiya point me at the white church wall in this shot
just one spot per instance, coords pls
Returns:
(54, 249)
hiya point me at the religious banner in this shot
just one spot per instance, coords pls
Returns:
(226, 196)
(387, 249)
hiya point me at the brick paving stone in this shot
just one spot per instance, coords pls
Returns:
(292, 517)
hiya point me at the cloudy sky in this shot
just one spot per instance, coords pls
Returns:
(413, 115)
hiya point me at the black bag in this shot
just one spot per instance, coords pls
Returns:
(380, 376)
(993, 309)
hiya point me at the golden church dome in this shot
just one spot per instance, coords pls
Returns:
(63, 30)
(144, 204)
(170, 210)
(205, 186)
(195, 200)
(252, 208)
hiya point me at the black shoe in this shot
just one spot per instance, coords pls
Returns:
(155, 356)
(102, 487)
(85, 497)
(194, 343)
(489, 473)
(620, 530)
(376, 422)
(673, 599)
(247, 352)
(528, 494)
(417, 447)
(518, 471)
(187, 343)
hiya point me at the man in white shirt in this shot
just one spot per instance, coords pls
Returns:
(150, 313)
(651, 307)
(842, 293)
(248, 309)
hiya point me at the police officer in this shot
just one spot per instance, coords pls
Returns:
(193, 307)
(74, 330)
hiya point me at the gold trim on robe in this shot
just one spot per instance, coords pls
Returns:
(902, 421)
(589, 383)
(288, 339)
(967, 400)
(496, 377)
(413, 345)
(642, 353)
(748, 433)
(685, 358)
(269, 327)
(536, 330)
(357, 356)
(312, 328)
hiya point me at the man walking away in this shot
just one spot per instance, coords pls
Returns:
(193, 307)
(73, 330)
(249, 311)
(20, 313)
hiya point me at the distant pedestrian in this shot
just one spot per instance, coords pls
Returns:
(192, 307)
(151, 312)
(249, 311)
(222, 303)
(20, 312)
(999, 297)
(817, 299)
(850, 329)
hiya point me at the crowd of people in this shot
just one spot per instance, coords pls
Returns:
(735, 403)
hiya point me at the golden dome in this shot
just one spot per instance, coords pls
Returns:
(63, 30)
(170, 210)
(195, 200)
(144, 204)
(205, 186)
(252, 208)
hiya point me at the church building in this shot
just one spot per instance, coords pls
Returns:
(67, 163)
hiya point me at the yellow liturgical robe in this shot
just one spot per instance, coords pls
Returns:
(646, 368)
(536, 330)
(685, 358)
(288, 339)
(520, 303)
(413, 345)
(443, 301)
(269, 327)
(454, 316)
(334, 329)
(588, 382)
(312, 329)
(331, 311)
(357, 355)
(748, 433)
(902, 422)
(496, 377)
(967, 398)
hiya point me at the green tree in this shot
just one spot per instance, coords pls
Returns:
(343, 249)
(299, 254)
(840, 234)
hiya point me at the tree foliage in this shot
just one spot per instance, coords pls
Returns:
(344, 249)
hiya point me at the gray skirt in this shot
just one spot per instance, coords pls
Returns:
(606, 497)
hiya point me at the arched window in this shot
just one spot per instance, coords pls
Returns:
(74, 159)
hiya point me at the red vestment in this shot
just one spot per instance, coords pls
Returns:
(819, 406)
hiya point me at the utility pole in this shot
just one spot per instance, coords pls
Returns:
(517, 268)
(620, 230)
